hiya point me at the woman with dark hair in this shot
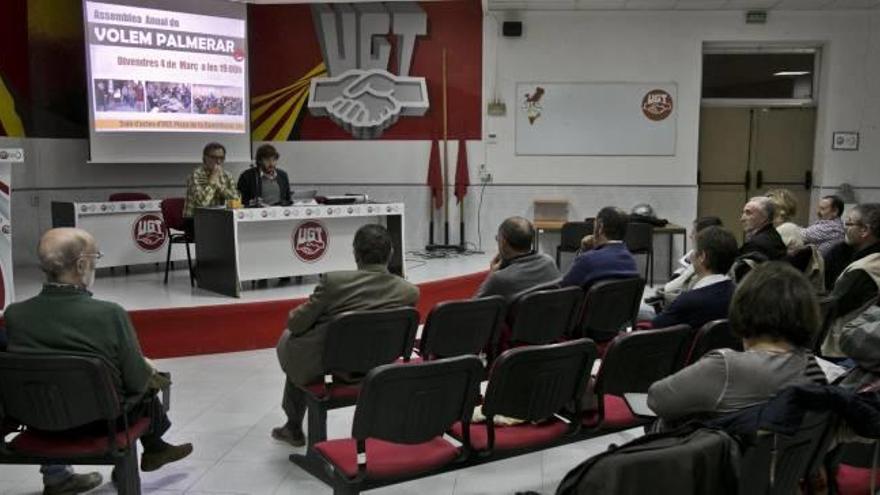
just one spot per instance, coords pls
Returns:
(774, 310)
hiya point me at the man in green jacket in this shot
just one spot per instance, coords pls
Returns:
(64, 319)
(301, 346)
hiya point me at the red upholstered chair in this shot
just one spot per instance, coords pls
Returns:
(50, 396)
(401, 416)
(713, 335)
(632, 362)
(129, 196)
(172, 215)
(532, 383)
(357, 342)
(457, 328)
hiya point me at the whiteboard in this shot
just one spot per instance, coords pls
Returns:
(609, 118)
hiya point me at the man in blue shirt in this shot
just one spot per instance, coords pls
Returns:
(603, 254)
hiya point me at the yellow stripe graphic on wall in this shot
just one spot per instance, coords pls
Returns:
(279, 109)
(8, 117)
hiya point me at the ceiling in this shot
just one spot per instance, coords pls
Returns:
(642, 4)
(683, 4)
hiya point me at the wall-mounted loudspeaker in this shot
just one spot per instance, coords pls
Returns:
(512, 29)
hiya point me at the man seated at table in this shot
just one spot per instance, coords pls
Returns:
(64, 319)
(517, 266)
(265, 184)
(603, 254)
(828, 229)
(301, 347)
(709, 297)
(761, 236)
(208, 185)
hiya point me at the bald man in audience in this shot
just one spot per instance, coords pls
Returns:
(517, 266)
(65, 319)
(761, 236)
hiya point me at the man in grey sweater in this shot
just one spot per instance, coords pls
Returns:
(517, 266)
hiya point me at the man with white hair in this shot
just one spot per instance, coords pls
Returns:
(64, 319)
(761, 237)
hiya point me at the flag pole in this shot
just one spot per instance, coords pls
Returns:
(445, 159)
(462, 145)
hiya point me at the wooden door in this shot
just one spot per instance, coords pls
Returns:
(723, 164)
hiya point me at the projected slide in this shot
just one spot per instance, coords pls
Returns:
(160, 71)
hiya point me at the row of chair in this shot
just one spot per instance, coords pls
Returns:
(531, 383)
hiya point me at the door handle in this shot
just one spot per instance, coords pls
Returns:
(759, 179)
(748, 182)
(808, 180)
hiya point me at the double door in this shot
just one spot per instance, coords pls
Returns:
(745, 151)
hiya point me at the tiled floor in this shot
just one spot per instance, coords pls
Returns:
(227, 403)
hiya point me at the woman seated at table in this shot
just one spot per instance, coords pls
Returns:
(774, 311)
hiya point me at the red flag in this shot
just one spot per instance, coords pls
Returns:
(462, 176)
(435, 176)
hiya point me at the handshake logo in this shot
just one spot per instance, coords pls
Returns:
(365, 103)
(359, 94)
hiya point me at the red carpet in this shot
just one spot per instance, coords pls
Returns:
(174, 332)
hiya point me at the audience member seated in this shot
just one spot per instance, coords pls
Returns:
(64, 319)
(301, 347)
(775, 312)
(761, 237)
(786, 209)
(685, 277)
(709, 298)
(828, 228)
(208, 185)
(853, 267)
(517, 266)
(264, 184)
(603, 255)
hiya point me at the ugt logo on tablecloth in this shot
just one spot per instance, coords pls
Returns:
(309, 241)
(148, 232)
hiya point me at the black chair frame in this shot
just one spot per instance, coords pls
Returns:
(55, 393)
(713, 335)
(544, 316)
(357, 342)
(457, 328)
(639, 239)
(610, 305)
(570, 237)
(386, 406)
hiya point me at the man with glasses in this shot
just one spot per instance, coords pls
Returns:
(861, 243)
(209, 185)
(64, 318)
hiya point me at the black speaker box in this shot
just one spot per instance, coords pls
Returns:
(511, 29)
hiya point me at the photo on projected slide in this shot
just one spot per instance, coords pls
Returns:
(217, 100)
(168, 97)
(117, 95)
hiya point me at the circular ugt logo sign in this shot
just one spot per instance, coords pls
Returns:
(148, 232)
(309, 241)
(657, 104)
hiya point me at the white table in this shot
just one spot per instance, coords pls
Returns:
(235, 246)
(128, 232)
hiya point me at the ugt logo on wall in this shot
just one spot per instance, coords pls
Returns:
(309, 241)
(148, 232)
(359, 94)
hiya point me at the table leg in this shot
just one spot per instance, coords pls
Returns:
(671, 244)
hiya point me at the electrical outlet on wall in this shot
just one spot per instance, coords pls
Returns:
(485, 175)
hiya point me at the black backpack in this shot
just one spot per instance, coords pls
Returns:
(687, 460)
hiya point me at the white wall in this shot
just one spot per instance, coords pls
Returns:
(556, 46)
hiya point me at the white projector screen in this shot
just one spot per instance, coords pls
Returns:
(165, 77)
